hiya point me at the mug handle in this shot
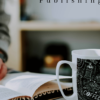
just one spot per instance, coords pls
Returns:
(73, 67)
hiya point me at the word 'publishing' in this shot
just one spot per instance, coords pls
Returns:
(71, 1)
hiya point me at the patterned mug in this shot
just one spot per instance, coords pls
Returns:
(85, 74)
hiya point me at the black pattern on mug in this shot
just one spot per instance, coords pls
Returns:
(88, 79)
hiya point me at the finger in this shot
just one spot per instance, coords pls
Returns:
(3, 71)
(1, 62)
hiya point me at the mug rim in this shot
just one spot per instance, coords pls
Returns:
(80, 55)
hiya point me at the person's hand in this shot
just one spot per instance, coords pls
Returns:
(3, 69)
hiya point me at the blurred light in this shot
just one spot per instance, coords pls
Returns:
(52, 60)
(49, 59)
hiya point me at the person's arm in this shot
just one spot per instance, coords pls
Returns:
(4, 39)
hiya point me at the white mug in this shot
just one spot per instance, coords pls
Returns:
(85, 74)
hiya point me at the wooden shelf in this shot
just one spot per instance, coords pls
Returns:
(51, 26)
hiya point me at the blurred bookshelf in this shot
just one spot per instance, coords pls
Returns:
(54, 26)
(18, 27)
(46, 26)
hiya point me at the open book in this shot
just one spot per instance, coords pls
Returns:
(32, 86)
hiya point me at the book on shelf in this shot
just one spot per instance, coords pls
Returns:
(32, 86)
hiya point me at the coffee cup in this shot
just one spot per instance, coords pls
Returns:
(85, 74)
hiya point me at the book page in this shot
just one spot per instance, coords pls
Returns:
(14, 75)
(51, 90)
(50, 86)
(29, 83)
(7, 94)
(11, 76)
